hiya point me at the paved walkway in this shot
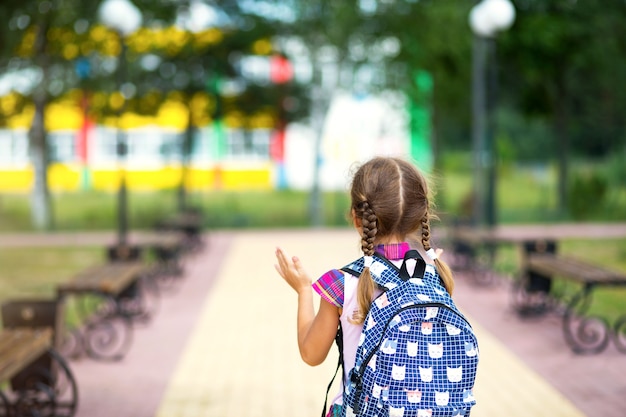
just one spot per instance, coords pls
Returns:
(253, 368)
(224, 345)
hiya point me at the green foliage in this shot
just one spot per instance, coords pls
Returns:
(587, 194)
(565, 58)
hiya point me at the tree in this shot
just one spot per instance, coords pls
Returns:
(561, 61)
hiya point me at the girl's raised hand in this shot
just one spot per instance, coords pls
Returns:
(292, 271)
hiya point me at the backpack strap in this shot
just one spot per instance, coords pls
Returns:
(339, 342)
(420, 265)
(356, 267)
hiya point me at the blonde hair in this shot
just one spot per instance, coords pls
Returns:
(390, 197)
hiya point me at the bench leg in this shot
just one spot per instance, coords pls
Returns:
(140, 301)
(5, 405)
(584, 334)
(102, 333)
(530, 302)
(47, 390)
(619, 334)
(108, 338)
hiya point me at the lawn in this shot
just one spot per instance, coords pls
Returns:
(33, 273)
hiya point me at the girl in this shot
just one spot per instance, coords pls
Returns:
(389, 204)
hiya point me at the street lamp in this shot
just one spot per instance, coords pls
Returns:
(124, 18)
(487, 19)
(194, 17)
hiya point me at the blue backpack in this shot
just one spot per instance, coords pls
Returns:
(417, 355)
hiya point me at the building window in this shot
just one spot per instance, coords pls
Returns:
(248, 144)
(62, 146)
(13, 147)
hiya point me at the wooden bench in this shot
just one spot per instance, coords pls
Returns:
(110, 279)
(187, 222)
(473, 251)
(40, 382)
(167, 248)
(106, 324)
(583, 332)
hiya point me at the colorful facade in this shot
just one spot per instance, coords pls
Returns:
(225, 155)
(84, 155)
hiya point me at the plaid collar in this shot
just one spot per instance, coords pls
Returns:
(393, 251)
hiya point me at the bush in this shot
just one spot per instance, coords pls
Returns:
(586, 195)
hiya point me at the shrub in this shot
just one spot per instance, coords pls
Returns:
(586, 195)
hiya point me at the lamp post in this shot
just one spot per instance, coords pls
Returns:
(487, 19)
(124, 18)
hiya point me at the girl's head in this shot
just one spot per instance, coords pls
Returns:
(390, 201)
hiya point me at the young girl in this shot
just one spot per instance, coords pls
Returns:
(389, 204)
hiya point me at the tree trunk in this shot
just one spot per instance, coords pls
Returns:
(41, 207)
(186, 148)
(319, 105)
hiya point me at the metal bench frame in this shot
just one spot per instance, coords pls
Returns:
(39, 379)
(106, 333)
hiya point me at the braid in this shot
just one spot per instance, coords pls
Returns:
(370, 229)
(366, 286)
(445, 273)
(426, 232)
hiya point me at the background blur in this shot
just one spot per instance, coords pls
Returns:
(255, 112)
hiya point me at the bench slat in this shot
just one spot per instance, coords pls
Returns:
(111, 278)
(168, 241)
(21, 346)
(573, 269)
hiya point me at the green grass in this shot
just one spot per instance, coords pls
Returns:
(524, 194)
(34, 273)
(221, 209)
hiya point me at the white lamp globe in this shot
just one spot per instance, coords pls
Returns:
(120, 15)
(480, 21)
(501, 13)
(202, 16)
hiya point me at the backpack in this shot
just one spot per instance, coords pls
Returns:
(417, 355)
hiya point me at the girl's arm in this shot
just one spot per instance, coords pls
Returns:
(316, 333)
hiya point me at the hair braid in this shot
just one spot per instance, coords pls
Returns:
(444, 270)
(370, 223)
(366, 287)
(426, 232)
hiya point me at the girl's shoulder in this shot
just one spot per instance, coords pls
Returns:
(330, 286)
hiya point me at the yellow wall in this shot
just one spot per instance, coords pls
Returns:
(15, 180)
(62, 177)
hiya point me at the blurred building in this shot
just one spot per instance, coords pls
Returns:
(83, 154)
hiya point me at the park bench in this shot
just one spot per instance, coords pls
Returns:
(35, 379)
(473, 251)
(189, 223)
(167, 248)
(536, 295)
(473, 246)
(162, 250)
(108, 298)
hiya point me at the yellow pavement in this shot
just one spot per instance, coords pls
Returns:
(242, 359)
